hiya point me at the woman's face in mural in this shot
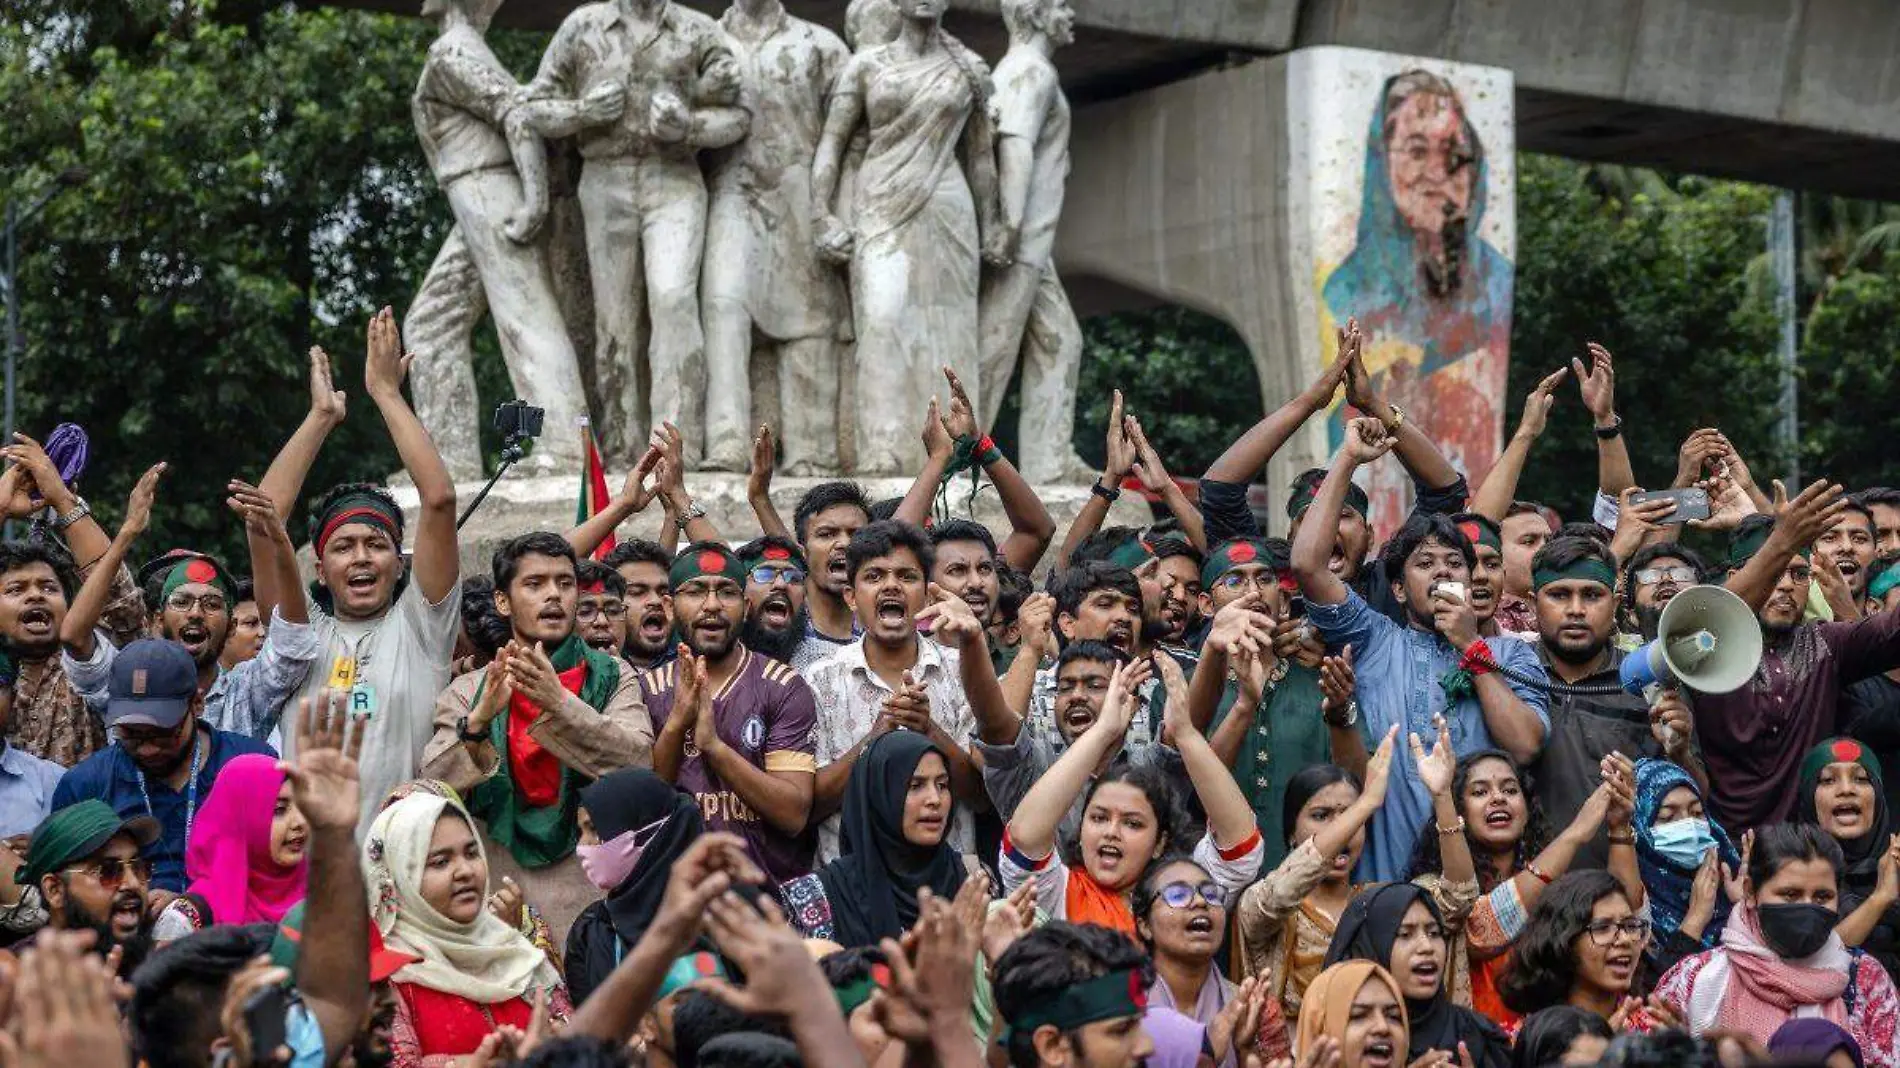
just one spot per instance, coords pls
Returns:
(1431, 159)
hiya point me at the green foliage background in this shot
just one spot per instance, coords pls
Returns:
(255, 189)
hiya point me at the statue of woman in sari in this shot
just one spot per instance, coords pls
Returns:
(925, 199)
(1433, 297)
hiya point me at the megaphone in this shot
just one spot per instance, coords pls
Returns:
(1707, 640)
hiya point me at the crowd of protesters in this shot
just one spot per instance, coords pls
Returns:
(876, 788)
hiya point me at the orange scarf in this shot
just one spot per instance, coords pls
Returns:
(1087, 901)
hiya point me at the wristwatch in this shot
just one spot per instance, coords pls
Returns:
(1350, 717)
(1398, 419)
(462, 732)
(1614, 430)
(1104, 492)
(693, 511)
(80, 511)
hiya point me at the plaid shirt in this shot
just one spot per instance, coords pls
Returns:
(50, 717)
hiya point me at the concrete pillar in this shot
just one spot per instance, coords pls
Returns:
(1239, 193)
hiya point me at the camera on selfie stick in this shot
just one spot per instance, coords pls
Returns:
(518, 423)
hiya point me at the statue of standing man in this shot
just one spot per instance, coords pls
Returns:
(494, 173)
(1024, 311)
(763, 276)
(644, 85)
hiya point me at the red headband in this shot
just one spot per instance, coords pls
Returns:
(372, 516)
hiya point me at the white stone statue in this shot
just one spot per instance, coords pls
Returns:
(1025, 312)
(763, 275)
(644, 85)
(915, 242)
(493, 172)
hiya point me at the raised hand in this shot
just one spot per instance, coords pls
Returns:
(533, 676)
(1379, 768)
(1118, 706)
(1436, 770)
(1597, 383)
(385, 366)
(1036, 622)
(324, 779)
(1801, 520)
(65, 1012)
(781, 978)
(938, 444)
(1319, 395)
(637, 492)
(1011, 920)
(505, 903)
(39, 476)
(758, 482)
(1702, 891)
(1619, 778)
(1638, 519)
(1729, 503)
(1359, 391)
(1121, 447)
(1294, 640)
(1337, 682)
(1366, 441)
(260, 515)
(948, 617)
(138, 506)
(1148, 466)
(1175, 722)
(1733, 878)
(327, 402)
(961, 419)
(1698, 453)
(1887, 881)
(711, 866)
(1669, 722)
(670, 470)
(1453, 617)
(1537, 406)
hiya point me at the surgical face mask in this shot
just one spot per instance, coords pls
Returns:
(608, 864)
(1682, 842)
(1796, 932)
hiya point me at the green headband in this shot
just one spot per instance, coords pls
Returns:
(1233, 553)
(1306, 490)
(1839, 751)
(1884, 581)
(1105, 997)
(687, 970)
(776, 554)
(1131, 554)
(200, 570)
(855, 993)
(1743, 546)
(1481, 533)
(1588, 569)
(706, 562)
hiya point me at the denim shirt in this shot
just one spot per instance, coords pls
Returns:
(1398, 670)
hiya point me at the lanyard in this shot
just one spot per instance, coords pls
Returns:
(191, 794)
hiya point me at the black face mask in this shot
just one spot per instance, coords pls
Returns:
(1796, 931)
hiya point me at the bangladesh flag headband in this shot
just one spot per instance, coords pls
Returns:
(1479, 531)
(1231, 554)
(690, 969)
(776, 554)
(181, 566)
(858, 991)
(1105, 997)
(706, 561)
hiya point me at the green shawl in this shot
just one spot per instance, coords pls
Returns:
(543, 836)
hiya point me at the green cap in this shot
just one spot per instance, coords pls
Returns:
(76, 832)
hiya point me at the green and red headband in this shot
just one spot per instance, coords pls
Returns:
(860, 990)
(705, 561)
(1839, 751)
(1131, 554)
(1480, 531)
(690, 969)
(1306, 489)
(1587, 569)
(776, 554)
(1234, 552)
(357, 508)
(1105, 997)
(183, 565)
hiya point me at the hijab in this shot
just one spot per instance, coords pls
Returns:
(873, 886)
(228, 858)
(1810, 1040)
(1327, 1007)
(485, 961)
(1669, 884)
(1367, 930)
(631, 799)
(1861, 854)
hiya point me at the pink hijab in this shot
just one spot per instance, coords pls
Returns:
(228, 859)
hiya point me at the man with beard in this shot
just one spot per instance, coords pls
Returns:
(891, 678)
(385, 629)
(1850, 544)
(1178, 573)
(826, 518)
(775, 573)
(192, 596)
(1100, 602)
(736, 727)
(1870, 708)
(642, 564)
(1437, 487)
(165, 756)
(600, 607)
(1651, 579)
(1574, 579)
(1884, 504)
(967, 566)
(1754, 738)
(1435, 664)
(84, 860)
(519, 738)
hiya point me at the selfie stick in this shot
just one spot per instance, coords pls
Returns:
(511, 451)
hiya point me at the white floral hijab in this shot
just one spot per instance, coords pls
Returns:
(486, 961)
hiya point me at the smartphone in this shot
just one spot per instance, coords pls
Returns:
(1453, 590)
(1296, 607)
(266, 1015)
(1691, 503)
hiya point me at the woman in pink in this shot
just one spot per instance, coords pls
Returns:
(1780, 959)
(245, 853)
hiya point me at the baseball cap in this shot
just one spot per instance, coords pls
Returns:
(76, 832)
(153, 682)
(383, 961)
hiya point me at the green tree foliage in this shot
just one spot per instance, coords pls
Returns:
(1186, 376)
(1850, 393)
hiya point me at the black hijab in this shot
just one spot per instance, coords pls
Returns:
(1367, 930)
(873, 886)
(623, 801)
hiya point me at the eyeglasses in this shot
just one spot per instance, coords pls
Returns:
(589, 611)
(133, 736)
(1262, 581)
(1682, 576)
(1180, 895)
(185, 602)
(112, 871)
(766, 575)
(1604, 932)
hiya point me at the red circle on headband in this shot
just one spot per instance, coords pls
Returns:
(201, 571)
(1846, 752)
(1243, 553)
(712, 561)
(777, 552)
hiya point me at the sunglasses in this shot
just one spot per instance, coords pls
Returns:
(1684, 576)
(111, 872)
(1180, 895)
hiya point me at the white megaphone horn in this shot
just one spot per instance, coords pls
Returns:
(1707, 640)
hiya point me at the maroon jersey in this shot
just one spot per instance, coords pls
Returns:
(768, 715)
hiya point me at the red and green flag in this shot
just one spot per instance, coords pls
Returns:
(593, 487)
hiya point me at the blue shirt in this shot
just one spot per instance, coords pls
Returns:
(26, 790)
(1398, 670)
(111, 776)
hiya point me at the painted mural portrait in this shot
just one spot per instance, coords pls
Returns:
(1433, 297)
